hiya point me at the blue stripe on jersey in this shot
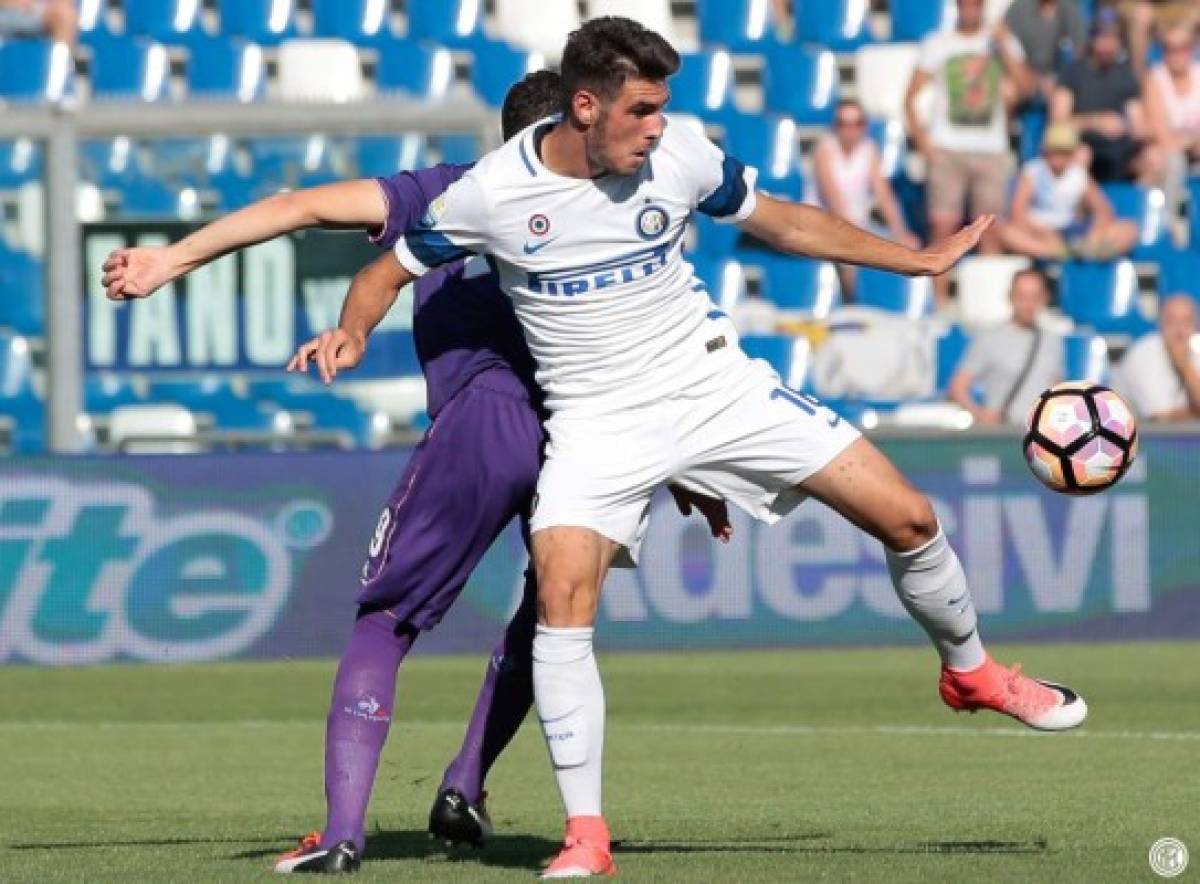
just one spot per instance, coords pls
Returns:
(729, 196)
(525, 157)
(432, 248)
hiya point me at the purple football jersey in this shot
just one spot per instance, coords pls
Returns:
(463, 324)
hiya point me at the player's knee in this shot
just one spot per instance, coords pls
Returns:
(565, 601)
(914, 525)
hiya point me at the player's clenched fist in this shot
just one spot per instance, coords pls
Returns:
(135, 273)
(330, 351)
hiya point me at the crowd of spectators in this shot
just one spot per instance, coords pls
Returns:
(1118, 95)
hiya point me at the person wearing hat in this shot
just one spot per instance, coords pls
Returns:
(1100, 96)
(1058, 210)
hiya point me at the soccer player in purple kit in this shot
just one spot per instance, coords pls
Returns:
(475, 470)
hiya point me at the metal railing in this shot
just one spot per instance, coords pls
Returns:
(62, 127)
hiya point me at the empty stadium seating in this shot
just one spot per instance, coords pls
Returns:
(740, 25)
(419, 71)
(801, 285)
(803, 83)
(536, 25)
(222, 69)
(129, 69)
(267, 22)
(449, 22)
(911, 297)
(362, 22)
(769, 144)
(724, 278)
(704, 85)
(166, 21)
(1146, 207)
(35, 70)
(1103, 297)
(1180, 273)
(1085, 358)
(789, 356)
(840, 25)
(496, 66)
(916, 19)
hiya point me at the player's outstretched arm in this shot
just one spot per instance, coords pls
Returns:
(372, 294)
(797, 229)
(139, 272)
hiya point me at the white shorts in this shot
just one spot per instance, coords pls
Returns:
(744, 438)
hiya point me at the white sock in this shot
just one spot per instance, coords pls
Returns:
(570, 706)
(933, 588)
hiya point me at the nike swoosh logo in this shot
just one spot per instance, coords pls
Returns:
(534, 248)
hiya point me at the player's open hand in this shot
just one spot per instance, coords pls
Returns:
(945, 254)
(715, 512)
(330, 351)
(136, 273)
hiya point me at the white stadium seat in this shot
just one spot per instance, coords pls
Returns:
(654, 14)
(983, 285)
(882, 73)
(153, 429)
(320, 71)
(537, 25)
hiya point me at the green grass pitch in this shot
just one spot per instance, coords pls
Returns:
(758, 766)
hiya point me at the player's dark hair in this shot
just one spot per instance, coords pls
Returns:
(535, 97)
(607, 51)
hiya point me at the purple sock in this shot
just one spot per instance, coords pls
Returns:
(504, 699)
(360, 714)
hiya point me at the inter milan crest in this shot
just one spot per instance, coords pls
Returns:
(651, 222)
(539, 225)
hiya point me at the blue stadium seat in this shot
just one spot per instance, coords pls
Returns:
(461, 149)
(914, 20)
(740, 25)
(20, 162)
(1033, 128)
(704, 85)
(384, 155)
(292, 162)
(176, 22)
(840, 25)
(1103, 297)
(103, 392)
(423, 72)
(22, 293)
(205, 394)
(1146, 207)
(803, 83)
(16, 366)
(247, 415)
(769, 144)
(226, 70)
(1085, 358)
(789, 356)
(393, 354)
(1179, 272)
(20, 408)
(150, 198)
(331, 413)
(126, 69)
(457, 23)
(35, 70)
(363, 22)
(800, 284)
(951, 347)
(712, 238)
(897, 294)
(497, 66)
(724, 279)
(267, 22)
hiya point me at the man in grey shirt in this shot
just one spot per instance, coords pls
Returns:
(1047, 30)
(1014, 362)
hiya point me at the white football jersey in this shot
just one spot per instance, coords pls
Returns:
(612, 313)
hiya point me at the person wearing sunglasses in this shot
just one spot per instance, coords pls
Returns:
(847, 179)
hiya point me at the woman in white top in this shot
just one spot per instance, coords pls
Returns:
(1172, 100)
(1059, 212)
(848, 181)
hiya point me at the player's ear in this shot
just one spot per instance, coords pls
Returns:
(586, 106)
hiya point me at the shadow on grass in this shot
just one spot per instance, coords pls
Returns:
(147, 842)
(789, 844)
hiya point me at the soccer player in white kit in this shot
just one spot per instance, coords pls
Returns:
(583, 217)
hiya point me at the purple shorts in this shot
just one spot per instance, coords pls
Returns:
(475, 470)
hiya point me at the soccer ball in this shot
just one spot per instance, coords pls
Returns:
(1080, 438)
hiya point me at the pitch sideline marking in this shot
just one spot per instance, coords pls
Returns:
(783, 730)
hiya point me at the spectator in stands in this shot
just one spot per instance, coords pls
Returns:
(976, 74)
(56, 19)
(1099, 94)
(1160, 374)
(1059, 212)
(848, 181)
(1049, 31)
(1171, 95)
(1014, 362)
(1142, 17)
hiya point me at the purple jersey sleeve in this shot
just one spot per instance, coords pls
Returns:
(407, 195)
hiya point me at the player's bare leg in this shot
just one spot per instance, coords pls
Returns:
(571, 564)
(864, 486)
